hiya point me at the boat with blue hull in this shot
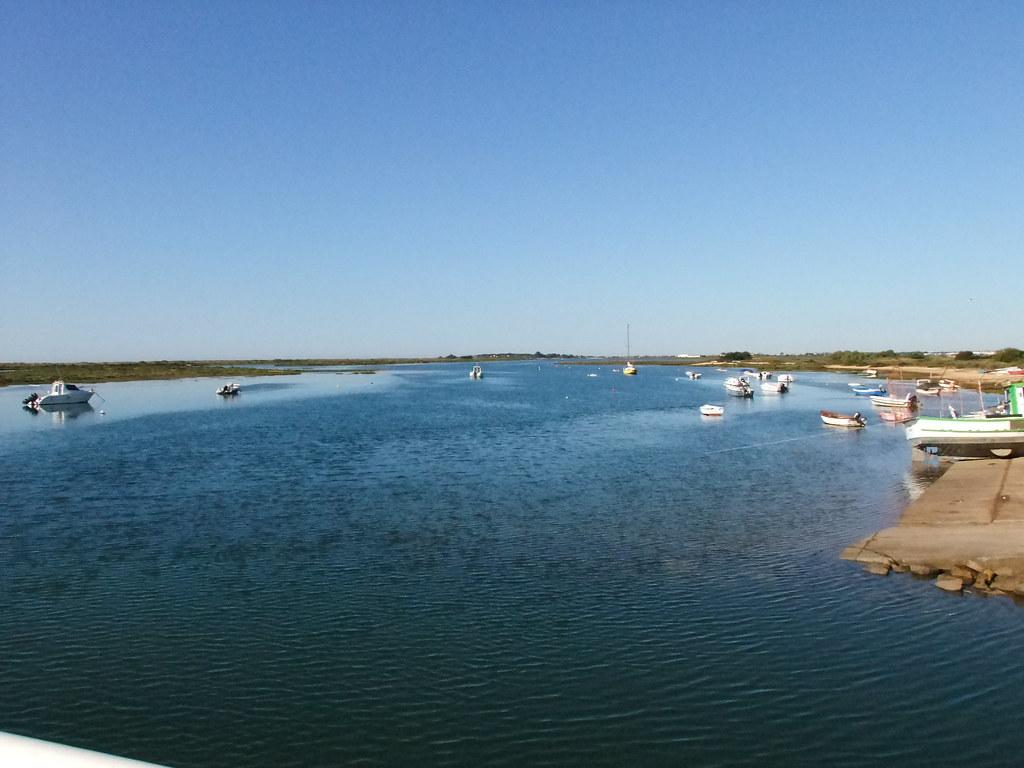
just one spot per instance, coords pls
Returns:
(866, 390)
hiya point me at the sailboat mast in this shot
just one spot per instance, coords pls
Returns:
(627, 341)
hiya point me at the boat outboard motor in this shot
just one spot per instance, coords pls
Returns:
(31, 399)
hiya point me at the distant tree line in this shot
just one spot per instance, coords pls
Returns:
(510, 355)
(1008, 355)
(856, 357)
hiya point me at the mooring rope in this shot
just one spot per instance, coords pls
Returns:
(828, 433)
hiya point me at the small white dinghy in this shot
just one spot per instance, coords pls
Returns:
(774, 387)
(229, 390)
(884, 401)
(477, 372)
(712, 410)
(842, 420)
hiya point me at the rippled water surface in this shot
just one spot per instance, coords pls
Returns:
(539, 568)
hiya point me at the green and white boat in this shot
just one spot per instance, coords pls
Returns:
(979, 436)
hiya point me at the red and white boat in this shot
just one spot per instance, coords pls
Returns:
(897, 416)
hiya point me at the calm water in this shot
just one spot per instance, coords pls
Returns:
(538, 568)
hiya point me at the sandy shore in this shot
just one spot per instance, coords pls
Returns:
(965, 377)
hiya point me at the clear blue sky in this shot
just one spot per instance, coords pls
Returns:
(216, 179)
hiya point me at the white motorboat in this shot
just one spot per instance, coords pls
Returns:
(842, 420)
(712, 410)
(228, 390)
(869, 373)
(692, 375)
(884, 401)
(738, 387)
(61, 394)
(774, 387)
(477, 372)
(787, 378)
(948, 385)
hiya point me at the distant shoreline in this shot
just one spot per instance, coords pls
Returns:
(967, 373)
(147, 370)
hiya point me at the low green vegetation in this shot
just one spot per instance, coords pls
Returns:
(478, 358)
(90, 373)
(1009, 355)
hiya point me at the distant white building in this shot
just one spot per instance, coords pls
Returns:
(687, 356)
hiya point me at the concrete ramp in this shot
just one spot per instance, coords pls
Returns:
(967, 528)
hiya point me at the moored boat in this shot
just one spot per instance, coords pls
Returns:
(476, 373)
(833, 419)
(948, 385)
(980, 436)
(738, 387)
(628, 369)
(787, 378)
(229, 390)
(927, 387)
(865, 390)
(774, 387)
(897, 415)
(692, 375)
(63, 394)
(712, 410)
(884, 401)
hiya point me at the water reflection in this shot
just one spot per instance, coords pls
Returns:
(920, 475)
(62, 413)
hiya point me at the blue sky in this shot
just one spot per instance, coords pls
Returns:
(196, 180)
